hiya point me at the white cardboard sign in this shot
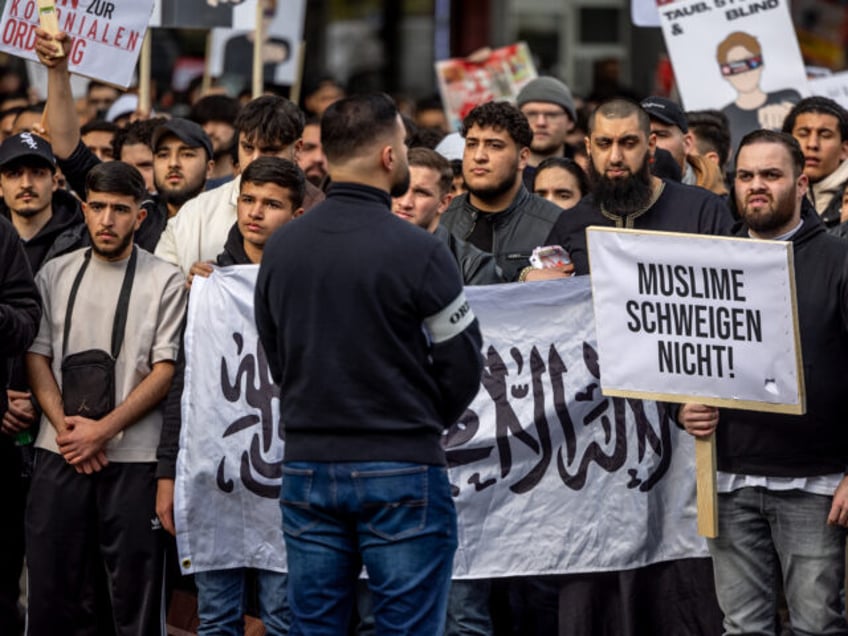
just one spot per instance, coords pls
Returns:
(688, 317)
(107, 34)
(738, 56)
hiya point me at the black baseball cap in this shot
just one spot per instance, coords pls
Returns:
(26, 145)
(666, 111)
(186, 131)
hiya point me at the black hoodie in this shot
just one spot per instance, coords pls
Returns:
(756, 443)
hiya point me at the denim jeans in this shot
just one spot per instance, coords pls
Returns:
(221, 601)
(757, 526)
(396, 518)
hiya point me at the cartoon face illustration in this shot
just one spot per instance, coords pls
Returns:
(740, 60)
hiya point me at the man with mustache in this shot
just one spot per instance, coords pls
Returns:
(114, 312)
(625, 194)
(498, 214)
(182, 151)
(781, 481)
(49, 222)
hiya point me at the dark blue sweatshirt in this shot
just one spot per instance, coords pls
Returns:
(367, 331)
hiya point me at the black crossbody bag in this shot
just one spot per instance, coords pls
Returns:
(88, 377)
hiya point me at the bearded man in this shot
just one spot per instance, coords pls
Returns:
(781, 481)
(625, 194)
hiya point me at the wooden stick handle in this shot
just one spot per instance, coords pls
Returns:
(705, 480)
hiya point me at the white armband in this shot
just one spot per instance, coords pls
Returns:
(450, 321)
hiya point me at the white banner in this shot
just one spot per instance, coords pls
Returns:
(833, 86)
(549, 476)
(697, 317)
(740, 57)
(226, 502)
(106, 34)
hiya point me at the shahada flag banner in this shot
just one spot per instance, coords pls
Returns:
(549, 476)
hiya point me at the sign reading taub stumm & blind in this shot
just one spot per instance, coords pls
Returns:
(692, 318)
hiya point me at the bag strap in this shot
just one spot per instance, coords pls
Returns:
(120, 322)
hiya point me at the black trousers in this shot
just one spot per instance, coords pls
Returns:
(12, 499)
(77, 527)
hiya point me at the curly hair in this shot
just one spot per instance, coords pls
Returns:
(500, 116)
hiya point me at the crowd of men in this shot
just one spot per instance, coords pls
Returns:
(108, 216)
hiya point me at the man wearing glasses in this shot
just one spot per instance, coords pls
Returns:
(549, 108)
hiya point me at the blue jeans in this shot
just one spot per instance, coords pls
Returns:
(396, 518)
(221, 600)
(757, 525)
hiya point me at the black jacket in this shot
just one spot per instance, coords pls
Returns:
(54, 239)
(76, 167)
(20, 304)
(524, 225)
(751, 442)
(476, 266)
(342, 300)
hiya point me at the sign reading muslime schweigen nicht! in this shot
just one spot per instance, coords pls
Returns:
(693, 318)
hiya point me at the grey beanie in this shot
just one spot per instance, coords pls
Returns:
(547, 89)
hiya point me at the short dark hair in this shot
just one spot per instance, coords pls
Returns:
(621, 108)
(500, 116)
(116, 177)
(712, 132)
(98, 125)
(278, 171)
(427, 158)
(822, 106)
(215, 108)
(763, 136)
(271, 118)
(570, 166)
(354, 123)
(137, 132)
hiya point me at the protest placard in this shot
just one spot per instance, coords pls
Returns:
(833, 86)
(194, 14)
(693, 318)
(231, 50)
(464, 84)
(740, 56)
(106, 34)
(548, 475)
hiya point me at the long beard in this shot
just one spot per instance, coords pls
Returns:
(622, 196)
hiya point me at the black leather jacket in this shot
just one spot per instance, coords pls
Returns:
(525, 224)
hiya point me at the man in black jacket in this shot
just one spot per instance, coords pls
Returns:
(498, 214)
(376, 350)
(20, 312)
(424, 203)
(783, 493)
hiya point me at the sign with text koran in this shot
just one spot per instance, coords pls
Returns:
(106, 34)
(692, 318)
